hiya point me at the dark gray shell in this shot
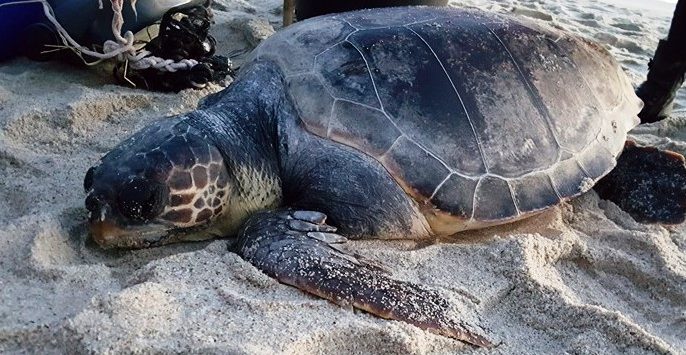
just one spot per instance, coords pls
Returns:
(482, 117)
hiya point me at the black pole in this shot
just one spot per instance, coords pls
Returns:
(665, 71)
(677, 31)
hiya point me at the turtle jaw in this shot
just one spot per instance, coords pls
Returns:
(108, 234)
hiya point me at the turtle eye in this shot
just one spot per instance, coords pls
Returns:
(141, 200)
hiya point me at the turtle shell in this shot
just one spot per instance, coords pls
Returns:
(481, 118)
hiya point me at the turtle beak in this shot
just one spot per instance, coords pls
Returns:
(103, 231)
(107, 233)
(110, 235)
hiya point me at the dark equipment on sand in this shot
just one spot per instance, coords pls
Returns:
(183, 35)
(179, 55)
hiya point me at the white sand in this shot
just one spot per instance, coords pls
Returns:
(583, 278)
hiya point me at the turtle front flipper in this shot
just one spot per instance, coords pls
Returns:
(648, 183)
(297, 248)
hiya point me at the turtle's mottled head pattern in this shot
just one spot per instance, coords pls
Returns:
(163, 184)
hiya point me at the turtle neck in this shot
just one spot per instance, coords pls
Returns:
(241, 122)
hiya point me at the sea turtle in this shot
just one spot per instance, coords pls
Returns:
(394, 123)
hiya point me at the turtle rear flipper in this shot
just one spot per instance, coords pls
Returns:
(647, 183)
(296, 249)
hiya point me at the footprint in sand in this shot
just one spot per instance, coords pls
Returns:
(633, 27)
(76, 126)
(532, 13)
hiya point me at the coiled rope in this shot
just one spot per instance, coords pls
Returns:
(122, 49)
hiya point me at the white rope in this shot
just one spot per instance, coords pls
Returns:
(122, 49)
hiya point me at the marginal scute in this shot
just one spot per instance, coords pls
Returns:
(362, 128)
(613, 132)
(534, 192)
(596, 165)
(412, 165)
(493, 200)
(568, 178)
(456, 196)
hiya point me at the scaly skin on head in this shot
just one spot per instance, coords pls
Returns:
(197, 193)
(171, 183)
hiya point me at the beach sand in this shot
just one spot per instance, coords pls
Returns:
(582, 278)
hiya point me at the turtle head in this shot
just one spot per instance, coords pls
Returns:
(164, 184)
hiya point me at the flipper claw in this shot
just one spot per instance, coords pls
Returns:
(303, 226)
(310, 216)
